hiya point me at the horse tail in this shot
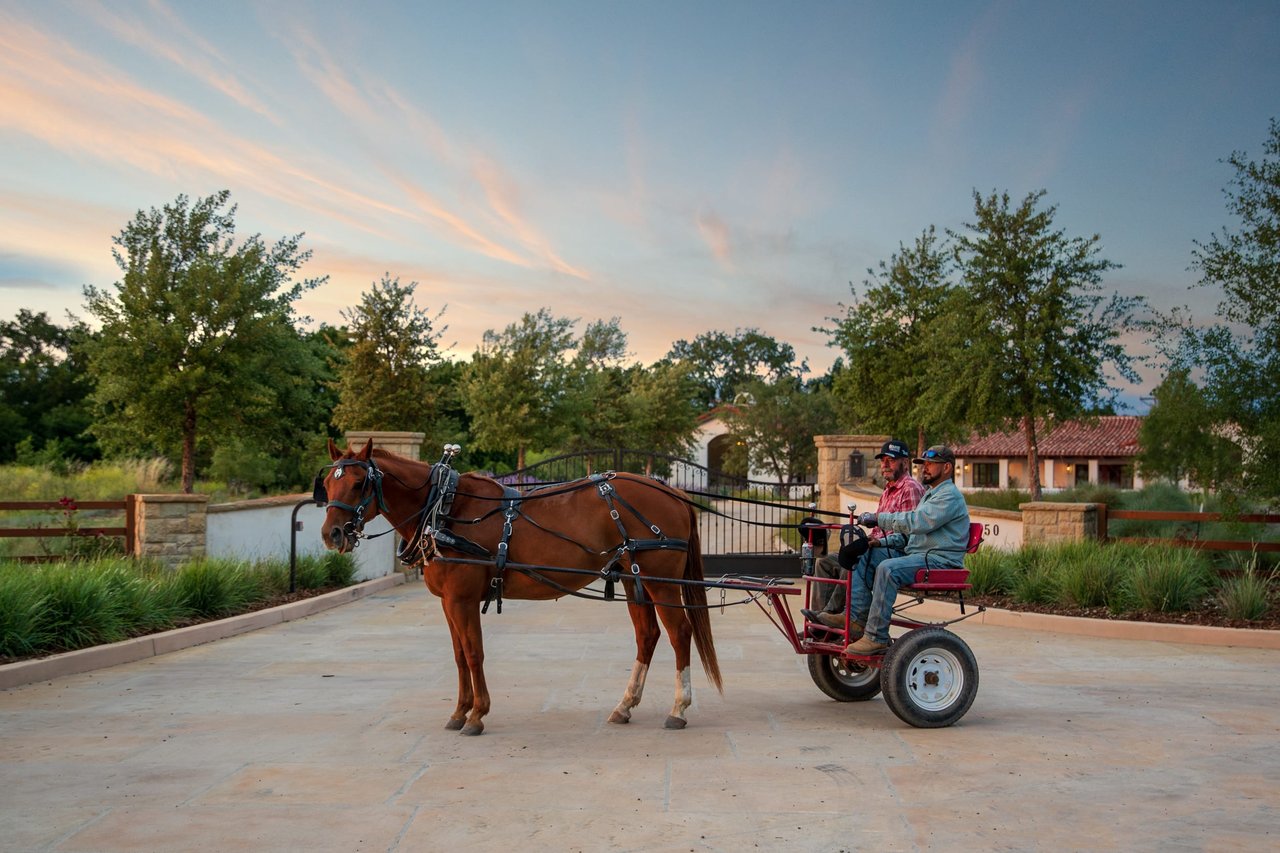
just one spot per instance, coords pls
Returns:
(695, 599)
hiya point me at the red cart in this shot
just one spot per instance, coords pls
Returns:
(928, 675)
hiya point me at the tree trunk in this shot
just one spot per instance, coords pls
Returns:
(188, 447)
(919, 440)
(520, 458)
(1033, 456)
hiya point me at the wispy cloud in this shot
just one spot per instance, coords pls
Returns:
(377, 106)
(715, 233)
(179, 46)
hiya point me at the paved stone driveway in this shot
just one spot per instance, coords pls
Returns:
(327, 734)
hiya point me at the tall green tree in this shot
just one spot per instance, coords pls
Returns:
(594, 400)
(385, 378)
(1033, 337)
(44, 389)
(197, 338)
(888, 336)
(516, 386)
(1240, 356)
(660, 412)
(1182, 436)
(723, 363)
(777, 425)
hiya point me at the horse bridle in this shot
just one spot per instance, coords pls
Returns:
(370, 491)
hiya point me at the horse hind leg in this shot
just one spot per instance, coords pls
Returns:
(680, 633)
(647, 634)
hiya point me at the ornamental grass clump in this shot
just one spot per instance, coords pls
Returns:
(1167, 579)
(1090, 574)
(81, 608)
(990, 571)
(1247, 594)
(1033, 577)
(217, 587)
(23, 629)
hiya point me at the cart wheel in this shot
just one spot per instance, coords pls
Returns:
(930, 678)
(844, 681)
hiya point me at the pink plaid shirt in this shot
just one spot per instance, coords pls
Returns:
(899, 496)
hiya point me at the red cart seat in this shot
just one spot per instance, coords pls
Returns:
(948, 579)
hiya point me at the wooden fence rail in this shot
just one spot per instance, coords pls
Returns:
(1106, 515)
(128, 506)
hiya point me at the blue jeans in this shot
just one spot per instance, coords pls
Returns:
(873, 589)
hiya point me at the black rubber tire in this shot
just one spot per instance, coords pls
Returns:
(930, 678)
(842, 680)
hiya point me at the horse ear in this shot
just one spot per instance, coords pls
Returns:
(364, 453)
(334, 452)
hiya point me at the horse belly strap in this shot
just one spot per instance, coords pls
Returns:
(635, 545)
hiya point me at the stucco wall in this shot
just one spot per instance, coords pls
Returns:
(258, 529)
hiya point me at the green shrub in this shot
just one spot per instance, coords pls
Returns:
(1166, 579)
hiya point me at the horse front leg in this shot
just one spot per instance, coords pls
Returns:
(465, 694)
(473, 692)
(647, 634)
(680, 633)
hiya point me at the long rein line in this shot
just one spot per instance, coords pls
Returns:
(535, 571)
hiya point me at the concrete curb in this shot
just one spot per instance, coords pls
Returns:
(1111, 629)
(139, 648)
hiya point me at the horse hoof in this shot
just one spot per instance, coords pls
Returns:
(675, 723)
(473, 730)
(453, 725)
(619, 718)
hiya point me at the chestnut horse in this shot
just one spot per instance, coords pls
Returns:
(477, 540)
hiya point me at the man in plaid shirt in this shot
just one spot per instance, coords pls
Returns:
(902, 493)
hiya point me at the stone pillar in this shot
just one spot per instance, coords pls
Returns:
(169, 528)
(833, 458)
(1047, 521)
(406, 444)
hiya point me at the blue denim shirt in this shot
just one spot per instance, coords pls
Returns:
(939, 523)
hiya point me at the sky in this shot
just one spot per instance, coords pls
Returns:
(683, 166)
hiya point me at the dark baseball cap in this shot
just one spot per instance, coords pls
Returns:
(894, 449)
(937, 453)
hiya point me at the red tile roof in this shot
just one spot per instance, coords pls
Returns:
(1110, 436)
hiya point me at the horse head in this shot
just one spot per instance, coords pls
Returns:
(351, 490)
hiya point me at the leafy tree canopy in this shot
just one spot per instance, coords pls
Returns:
(889, 336)
(197, 338)
(1240, 356)
(1032, 337)
(722, 363)
(385, 378)
(43, 389)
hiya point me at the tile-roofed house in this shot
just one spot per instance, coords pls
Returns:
(1073, 453)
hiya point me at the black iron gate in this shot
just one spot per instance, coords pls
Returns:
(746, 526)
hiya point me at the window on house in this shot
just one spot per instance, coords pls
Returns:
(986, 475)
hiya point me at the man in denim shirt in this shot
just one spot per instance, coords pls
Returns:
(938, 527)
